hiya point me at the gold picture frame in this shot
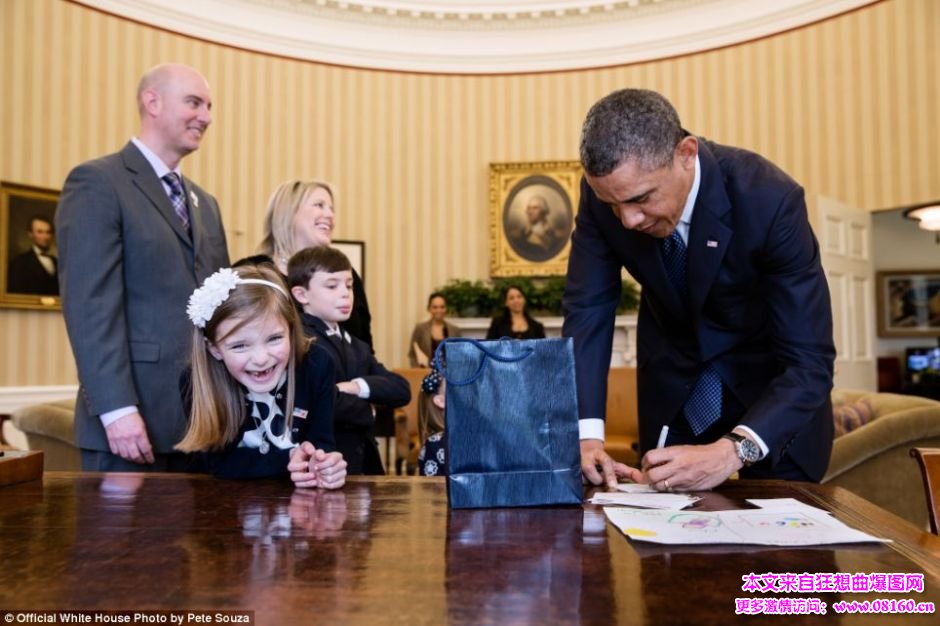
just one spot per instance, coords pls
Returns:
(27, 216)
(908, 303)
(532, 211)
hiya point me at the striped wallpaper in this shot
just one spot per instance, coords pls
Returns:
(847, 106)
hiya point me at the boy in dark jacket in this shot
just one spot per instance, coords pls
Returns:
(320, 279)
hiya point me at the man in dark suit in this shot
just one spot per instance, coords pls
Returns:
(734, 337)
(35, 271)
(135, 239)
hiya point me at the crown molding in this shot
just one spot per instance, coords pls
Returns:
(462, 37)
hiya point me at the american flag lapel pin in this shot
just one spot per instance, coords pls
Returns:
(711, 243)
(300, 413)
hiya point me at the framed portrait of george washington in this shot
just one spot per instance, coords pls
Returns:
(28, 257)
(532, 209)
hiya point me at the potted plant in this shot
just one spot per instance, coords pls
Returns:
(467, 298)
(629, 297)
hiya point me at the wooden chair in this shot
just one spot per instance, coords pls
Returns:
(929, 460)
(407, 445)
(621, 436)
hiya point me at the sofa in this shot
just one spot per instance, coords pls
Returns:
(873, 460)
(49, 427)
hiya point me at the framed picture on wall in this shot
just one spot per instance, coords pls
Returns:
(532, 209)
(28, 256)
(356, 251)
(908, 303)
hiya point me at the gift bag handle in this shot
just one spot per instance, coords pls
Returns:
(527, 351)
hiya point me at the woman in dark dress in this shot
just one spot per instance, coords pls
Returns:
(515, 322)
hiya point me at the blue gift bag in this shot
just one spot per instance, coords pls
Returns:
(512, 423)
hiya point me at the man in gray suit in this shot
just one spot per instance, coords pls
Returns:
(135, 239)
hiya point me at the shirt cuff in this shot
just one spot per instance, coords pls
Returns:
(764, 450)
(592, 428)
(109, 417)
(364, 390)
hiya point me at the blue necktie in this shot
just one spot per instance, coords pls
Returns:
(703, 407)
(674, 258)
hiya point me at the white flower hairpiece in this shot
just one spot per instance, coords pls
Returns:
(215, 290)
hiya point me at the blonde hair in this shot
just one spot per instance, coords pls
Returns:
(278, 242)
(218, 400)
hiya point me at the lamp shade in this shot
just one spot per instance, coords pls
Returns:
(927, 216)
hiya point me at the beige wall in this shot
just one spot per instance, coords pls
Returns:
(847, 106)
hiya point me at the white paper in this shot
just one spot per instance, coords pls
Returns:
(775, 525)
(654, 500)
(777, 504)
(635, 488)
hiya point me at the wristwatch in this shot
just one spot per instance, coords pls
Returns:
(747, 450)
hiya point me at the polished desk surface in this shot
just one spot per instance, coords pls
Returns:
(388, 550)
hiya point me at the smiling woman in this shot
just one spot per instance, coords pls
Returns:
(300, 215)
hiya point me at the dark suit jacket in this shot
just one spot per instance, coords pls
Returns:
(353, 415)
(127, 269)
(359, 323)
(27, 275)
(758, 308)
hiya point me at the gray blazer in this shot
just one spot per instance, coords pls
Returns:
(421, 340)
(126, 270)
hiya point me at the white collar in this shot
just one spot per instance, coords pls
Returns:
(161, 168)
(685, 221)
(336, 331)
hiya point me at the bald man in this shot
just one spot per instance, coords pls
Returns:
(135, 239)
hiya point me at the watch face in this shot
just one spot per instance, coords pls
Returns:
(748, 451)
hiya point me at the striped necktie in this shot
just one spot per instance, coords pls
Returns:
(177, 198)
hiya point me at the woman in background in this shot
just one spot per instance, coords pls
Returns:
(424, 341)
(300, 215)
(515, 322)
(426, 336)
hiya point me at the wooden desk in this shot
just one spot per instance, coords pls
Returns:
(386, 550)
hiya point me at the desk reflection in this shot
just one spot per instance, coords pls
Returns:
(505, 566)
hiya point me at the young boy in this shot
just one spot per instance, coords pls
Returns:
(320, 280)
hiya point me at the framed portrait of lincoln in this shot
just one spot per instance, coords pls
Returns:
(28, 257)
